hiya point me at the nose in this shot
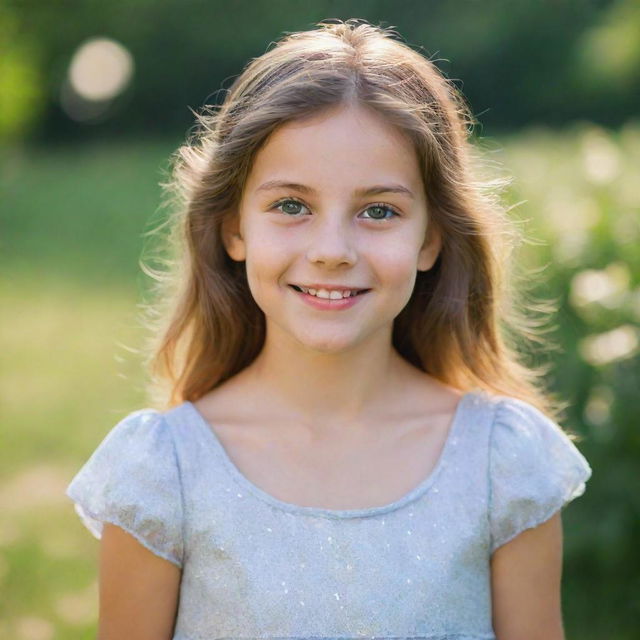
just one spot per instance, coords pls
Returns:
(331, 243)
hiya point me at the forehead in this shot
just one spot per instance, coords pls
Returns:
(340, 148)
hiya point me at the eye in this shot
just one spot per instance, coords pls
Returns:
(289, 206)
(379, 207)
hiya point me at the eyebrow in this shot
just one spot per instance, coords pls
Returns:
(366, 191)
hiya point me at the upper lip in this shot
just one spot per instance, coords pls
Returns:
(330, 287)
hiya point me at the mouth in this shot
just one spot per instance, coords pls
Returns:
(308, 290)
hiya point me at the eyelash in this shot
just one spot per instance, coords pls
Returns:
(380, 205)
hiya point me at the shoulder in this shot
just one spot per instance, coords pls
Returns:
(521, 427)
(534, 468)
(509, 408)
(133, 480)
(525, 437)
(143, 425)
(140, 445)
(141, 419)
(421, 394)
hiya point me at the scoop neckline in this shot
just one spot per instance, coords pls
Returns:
(454, 429)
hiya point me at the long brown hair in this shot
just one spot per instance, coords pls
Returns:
(463, 324)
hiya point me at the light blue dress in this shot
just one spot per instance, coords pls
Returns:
(254, 566)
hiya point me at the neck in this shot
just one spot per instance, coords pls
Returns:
(325, 390)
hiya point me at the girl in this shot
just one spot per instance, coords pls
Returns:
(349, 447)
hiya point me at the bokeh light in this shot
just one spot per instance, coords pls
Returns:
(100, 70)
(604, 348)
(606, 286)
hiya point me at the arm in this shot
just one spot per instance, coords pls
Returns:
(526, 577)
(139, 591)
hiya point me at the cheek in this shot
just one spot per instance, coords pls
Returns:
(394, 262)
(266, 262)
(267, 242)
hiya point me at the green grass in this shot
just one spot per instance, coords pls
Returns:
(66, 379)
(80, 212)
(71, 223)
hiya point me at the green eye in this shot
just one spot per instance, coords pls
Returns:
(382, 207)
(289, 206)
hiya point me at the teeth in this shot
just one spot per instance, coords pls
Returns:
(329, 295)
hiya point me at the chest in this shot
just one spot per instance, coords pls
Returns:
(256, 569)
(341, 471)
(269, 575)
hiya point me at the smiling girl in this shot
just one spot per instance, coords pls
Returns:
(348, 447)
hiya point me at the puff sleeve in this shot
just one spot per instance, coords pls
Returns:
(534, 470)
(132, 480)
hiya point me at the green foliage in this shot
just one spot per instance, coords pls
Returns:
(518, 62)
(611, 49)
(582, 201)
(21, 92)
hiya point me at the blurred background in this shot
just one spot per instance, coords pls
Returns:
(94, 97)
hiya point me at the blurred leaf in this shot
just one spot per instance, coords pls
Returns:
(21, 86)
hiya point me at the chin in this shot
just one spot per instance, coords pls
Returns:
(334, 345)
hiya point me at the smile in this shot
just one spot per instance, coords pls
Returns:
(329, 300)
(329, 294)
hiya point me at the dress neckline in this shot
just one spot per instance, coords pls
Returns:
(455, 427)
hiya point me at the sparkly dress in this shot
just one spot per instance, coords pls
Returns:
(254, 566)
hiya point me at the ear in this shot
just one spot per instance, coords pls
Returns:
(430, 249)
(232, 238)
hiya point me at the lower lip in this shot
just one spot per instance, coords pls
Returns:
(328, 304)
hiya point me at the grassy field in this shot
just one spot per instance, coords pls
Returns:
(72, 225)
(71, 234)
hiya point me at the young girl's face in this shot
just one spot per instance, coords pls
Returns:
(338, 200)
